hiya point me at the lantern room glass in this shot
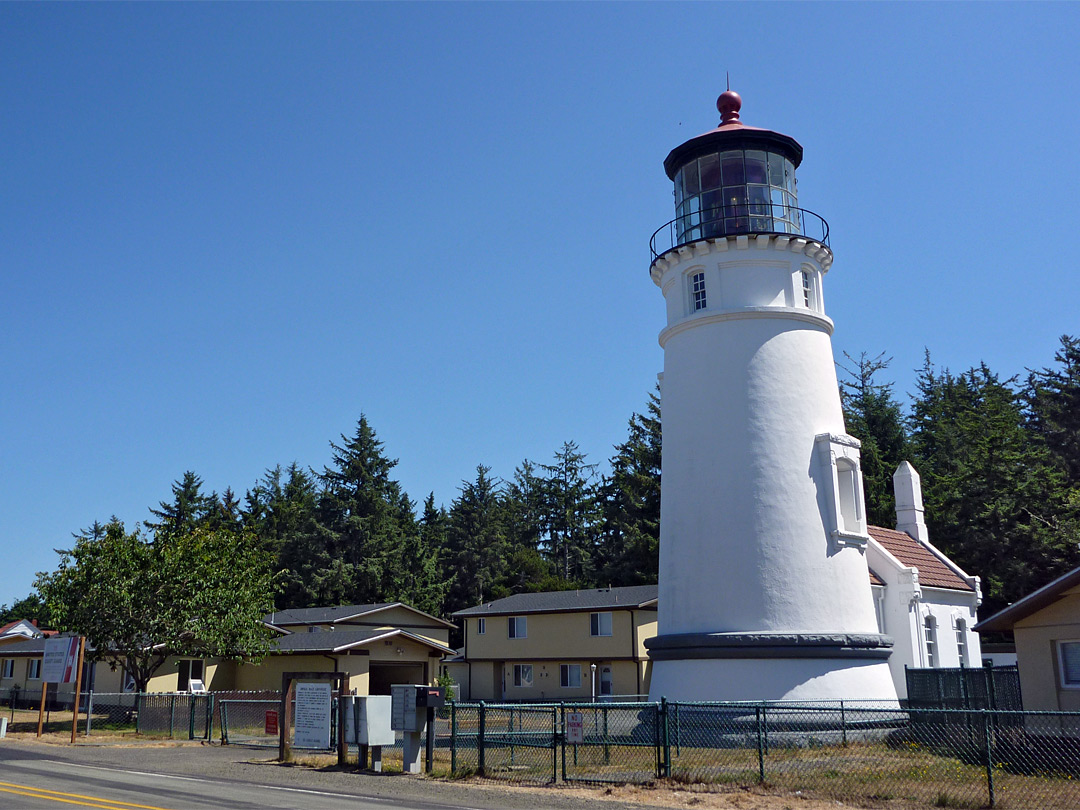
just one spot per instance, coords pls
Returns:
(736, 191)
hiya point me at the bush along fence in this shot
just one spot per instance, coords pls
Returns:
(840, 750)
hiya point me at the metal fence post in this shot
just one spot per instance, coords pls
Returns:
(210, 717)
(172, 714)
(760, 747)
(138, 706)
(191, 717)
(480, 735)
(989, 757)
(765, 726)
(843, 725)
(562, 726)
(554, 744)
(453, 736)
(512, 734)
(664, 711)
(89, 710)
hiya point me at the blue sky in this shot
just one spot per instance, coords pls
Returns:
(226, 231)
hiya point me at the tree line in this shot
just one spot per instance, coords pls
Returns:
(999, 459)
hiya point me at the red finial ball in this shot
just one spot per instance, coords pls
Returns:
(729, 105)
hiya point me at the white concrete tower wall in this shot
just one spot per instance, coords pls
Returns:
(764, 590)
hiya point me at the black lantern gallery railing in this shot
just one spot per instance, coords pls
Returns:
(736, 220)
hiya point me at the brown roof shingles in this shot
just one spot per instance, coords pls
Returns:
(933, 572)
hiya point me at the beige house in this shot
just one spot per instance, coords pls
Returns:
(375, 645)
(560, 645)
(1046, 628)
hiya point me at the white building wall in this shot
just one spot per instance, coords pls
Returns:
(749, 382)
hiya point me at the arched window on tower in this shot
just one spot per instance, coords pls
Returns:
(848, 486)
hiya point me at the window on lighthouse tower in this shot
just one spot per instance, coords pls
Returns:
(697, 291)
(849, 495)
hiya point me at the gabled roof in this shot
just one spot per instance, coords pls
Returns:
(934, 572)
(31, 646)
(337, 614)
(1005, 618)
(633, 596)
(340, 641)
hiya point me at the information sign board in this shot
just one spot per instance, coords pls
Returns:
(60, 660)
(575, 727)
(312, 721)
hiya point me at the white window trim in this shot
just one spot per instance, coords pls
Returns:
(930, 623)
(599, 624)
(691, 275)
(833, 448)
(520, 625)
(33, 670)
(1060, 645)
(960, 634)
(481, 627)
(517, 676)
(7, 668)
(564, 675)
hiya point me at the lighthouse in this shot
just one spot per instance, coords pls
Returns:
(764, 590)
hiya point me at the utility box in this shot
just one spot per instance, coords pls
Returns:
(411, 708)
(367, 720)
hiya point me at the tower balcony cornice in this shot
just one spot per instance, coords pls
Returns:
(672, 256)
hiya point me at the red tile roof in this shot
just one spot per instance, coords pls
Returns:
(875, 579)
(933, 573)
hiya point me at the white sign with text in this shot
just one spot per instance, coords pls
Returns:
(61, 660)
(312, 723)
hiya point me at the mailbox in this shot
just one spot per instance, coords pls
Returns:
(430, 697)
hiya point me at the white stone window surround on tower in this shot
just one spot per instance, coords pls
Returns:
(698, 298)
(807, 292)
(846, 513)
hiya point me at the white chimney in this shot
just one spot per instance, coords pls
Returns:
(907, 486)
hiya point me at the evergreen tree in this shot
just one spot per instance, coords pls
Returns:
(281, 511)
(363, 521)
(476, 549)
(189, 507)
(630, 538)
(571, 513)
(1052, 396)
(995, 501)
(873, 416)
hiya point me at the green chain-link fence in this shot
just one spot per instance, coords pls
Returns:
(838, 750)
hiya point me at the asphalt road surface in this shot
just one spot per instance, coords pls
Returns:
(35, 776)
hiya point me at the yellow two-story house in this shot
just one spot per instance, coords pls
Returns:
(558, 645)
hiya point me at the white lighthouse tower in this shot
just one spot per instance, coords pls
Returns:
(764, 588)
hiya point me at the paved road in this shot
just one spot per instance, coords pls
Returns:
(35, 776)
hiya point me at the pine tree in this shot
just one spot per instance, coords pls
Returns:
(571, 513)
(476, 549)
(995, 501)
(189, 507)
(873, 416)
(630, 538)
(1052, 396)
(364, 519)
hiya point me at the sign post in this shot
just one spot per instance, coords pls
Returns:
(78, 689)
(61, 663)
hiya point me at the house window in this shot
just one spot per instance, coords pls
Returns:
(930, 634)
(522, 674)
(570, 675)
(481, 627)
(516, 627)
(1069, 661)
(8, 668)
(697, 291)
(188, 671)
(961, 641)
(601, 624)
(34, 672)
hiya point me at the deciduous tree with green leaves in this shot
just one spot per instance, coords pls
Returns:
(201, 592)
